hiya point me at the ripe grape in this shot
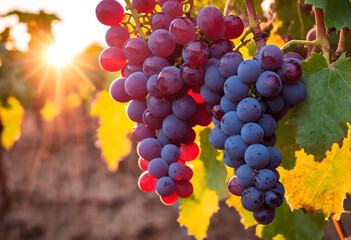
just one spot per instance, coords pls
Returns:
(117, 91)
(116, 36)
(109, 12)
(144, 6)
(112, 59)
(161, 43)
(234, 26)
(195, 53)
(182, 30)
(270, 57)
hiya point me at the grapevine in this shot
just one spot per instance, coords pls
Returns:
(179, 72)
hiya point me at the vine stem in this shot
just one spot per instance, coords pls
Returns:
(321, 33)
(135, 15)
(305, 42)
(254, 25)
(341, 44)
(338, 228)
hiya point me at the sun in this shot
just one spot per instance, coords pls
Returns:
(58, 55)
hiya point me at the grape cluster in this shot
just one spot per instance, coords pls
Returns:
(257, 93)
(162, 81)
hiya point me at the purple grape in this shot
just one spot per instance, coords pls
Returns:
(235, 147)
(158, 168)
(182, 30)
(289, 71)
(210, 20)
(191, 76)
(195, 53)
(161, 43)
(152, 88)
(234, 26)
(227, 105)
(160, 20)
(294, 94)
(217, 137)
(209, 95)
(245, 175)
(231, 124)
(159, 107)
(132, 68)
(265, 179)
(220, 47)
(149, 148)
(248, 110)
(135, 110)
(268, 124)
(154, 65)
(172, 8)
(117, 91)
(176, 170)
(229, 64)
(257, 156)
(273, 198)
(274, 104)
(249, 71)
(116, 36)
(173, 127)
(144, 6)
(252, 133)
(270, 57)
(135, 85)
(252, 199)
(151, 121)
(170, 153)
(264, 215)
(233, 163)
(169, 81)
(269, 84)
(234, 187)
(140, 132)
(165, 186)
(214, 79)
(234, 89)
(136, 50)
(183, 106)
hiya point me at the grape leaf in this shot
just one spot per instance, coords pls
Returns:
(114, 128)
(215, 169)
(293, 225)
(246, 216)
(11, 119)
(320, 120)
(195, 211)
(337, 13)
(50, 110)
(320, 186)
(286, 141)
(288, 18)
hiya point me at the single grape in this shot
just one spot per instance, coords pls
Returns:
(217, 137)
(217, 112)
(220, 33)
(249, 109)
(190, 136)
(231, 124)
(176, 171)
(116, 36)
(234, 89)
(191, 76)
(151, 121)
(136, 50)
(158, 168)
(189, 152)
(275, 156)
(265, 179)
(152, 88)
(165, 186)
(233, 163)
(270, 141)
(273, 198)
(132, 68)
(184, 188)
(229, 64)
(170, 153)
(227, 105)
(184, 106)
(269, 84)
(245, 175)
(294, 94)
(264, 215)
(249, 71)
(160, 20)
(143, 164)
(154, 65)
(280, 187)
(214, 79)
(169, 81)
(235, 147)
(109, 12)
(188, 173)
(220, 47)
(252, 199)
(140, 132)
(210, 20)
(112, 59)
(270, 57)
(268, 124)
(252, 133)
(182, 30)
(289, 71)
(135, 85)
(195, 53)
(173, 127)
(209, 95)
(234, 26)
(234, 187)
(257, 156)
(293, 55)
(161, 43)
(135, 110)
(159, 107)
(172, 8)
(169, 200)
(149, 148)
(117, 91)
(144, 6)
(146, 182)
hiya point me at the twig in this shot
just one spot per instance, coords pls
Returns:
(254, 25)
(341, 44)
(321, 33)
(227, 8)
(135, 15)
(302, 25)
(243, 42)
(338, 228)
(304, 42)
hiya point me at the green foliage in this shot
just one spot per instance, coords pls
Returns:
(215, 170)
(337, 13)
(293, 225)
(288, 12)
(320, 119)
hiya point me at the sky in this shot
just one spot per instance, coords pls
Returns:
(77, 30)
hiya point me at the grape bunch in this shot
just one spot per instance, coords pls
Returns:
(162, 77)
(257, 93)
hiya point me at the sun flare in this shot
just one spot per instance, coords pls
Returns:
(58, 55)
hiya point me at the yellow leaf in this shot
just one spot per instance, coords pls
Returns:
(279, 237)
(50, 110)
(320, 186)
(275, 39)
(114, 129)
(196, 211)
(11, 119)
(246, 216)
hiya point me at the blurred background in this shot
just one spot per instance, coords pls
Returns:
(54, 181)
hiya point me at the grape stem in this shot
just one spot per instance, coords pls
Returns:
(341, 44)
(227, 8)
(135, 15)
(254, 25)
(321, 33)
(305, 42)
(302, 26)
(243, 42)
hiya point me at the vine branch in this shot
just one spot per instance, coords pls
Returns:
(135, 15)
(338, 228)
(321, 33)
(341, 44)
(254, 25)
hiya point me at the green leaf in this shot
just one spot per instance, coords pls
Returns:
(320, 120)
(287, 13)
(215, 170)
(337, 13)
(293, 225)
(286, 141)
